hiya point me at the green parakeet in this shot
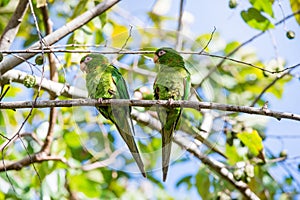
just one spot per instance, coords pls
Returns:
(104, 81)
(172, 83)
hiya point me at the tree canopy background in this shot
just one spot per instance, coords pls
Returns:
(239, 54)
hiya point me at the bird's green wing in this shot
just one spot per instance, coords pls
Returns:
(187, 87)
(122, 92)
(120, 83)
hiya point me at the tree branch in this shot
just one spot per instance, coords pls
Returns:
(53, 77)
(10, 62)
(201, 53)
(149, 103)
(269, 86)
(58, 89)
(103, 163)
(178, 44)
(28, 160)
(13, 25)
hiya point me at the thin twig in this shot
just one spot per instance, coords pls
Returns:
(53, 77)
(244, 44)
(36, 25)
(151, 52)
(269, 86)
(25, 134)
(127, 39)
(103, 163)
(178, 44)
(209, 41)
(35, 51)
(248, 64)
(4, 93)
(285, 168)
(296, 136)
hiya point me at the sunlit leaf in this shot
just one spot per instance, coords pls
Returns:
(119, 35)
(231, 46)
(295, 5)
(256, 20)
(263, 5)
(232, 154)
(72, 139)
(2, 123)
(252, 140)
(11, 116)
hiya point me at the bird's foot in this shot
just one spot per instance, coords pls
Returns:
(170, 102)
(100, 100)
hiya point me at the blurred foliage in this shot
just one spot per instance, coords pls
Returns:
(83, 138)
(295, 5)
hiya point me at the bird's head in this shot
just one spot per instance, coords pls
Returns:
(167, 56)
(90, 62)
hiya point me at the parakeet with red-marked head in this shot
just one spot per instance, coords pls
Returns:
(172, 82)
(104, 81)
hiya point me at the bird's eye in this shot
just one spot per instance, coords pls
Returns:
(87, 59)
(161, 52)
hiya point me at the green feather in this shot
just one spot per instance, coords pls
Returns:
(172, 83)
(105, 81)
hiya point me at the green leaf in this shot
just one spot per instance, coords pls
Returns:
(203, 183)
(72, 140)
(119, 35)
(295, 5)
(99, 37)
(185, 180)
(2, 122)
(81, 183)
(79, 8)
(263, 5)
(256, 20)
(231, 46)
(232, 154)
(289, 180)
(252, 140)
(4, 2)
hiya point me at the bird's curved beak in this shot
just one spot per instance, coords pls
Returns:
(155, 58)
(83, 66)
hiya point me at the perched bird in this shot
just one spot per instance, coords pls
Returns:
(172, 83)
(104, 81)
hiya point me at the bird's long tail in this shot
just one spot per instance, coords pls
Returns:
(167, 135)
(172, 117)
(129, 140)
